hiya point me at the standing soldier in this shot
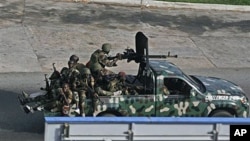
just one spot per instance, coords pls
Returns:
(100, 57)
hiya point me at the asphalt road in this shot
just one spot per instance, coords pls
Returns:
(35, 34)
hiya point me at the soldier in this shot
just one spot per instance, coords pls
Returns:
(75, 59)
(73, 73)
(56, 81)
(100, 57)
(64, 98)
(85, 88)
(64, 75)
(68, 100)
(165, 90)
(62, 102)
(115, 86)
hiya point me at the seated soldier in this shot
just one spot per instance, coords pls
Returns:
(77, 65)
(84, 86)
(56, 81)
(165, 90)
(63, 102)
(115, 86)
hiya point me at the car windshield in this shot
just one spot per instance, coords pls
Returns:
(195, 82)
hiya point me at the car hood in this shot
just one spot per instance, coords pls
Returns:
(218, 86)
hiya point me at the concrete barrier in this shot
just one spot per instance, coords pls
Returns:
(139, 128)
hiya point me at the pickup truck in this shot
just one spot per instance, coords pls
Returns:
(188, 95)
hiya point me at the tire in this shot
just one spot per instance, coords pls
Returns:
(107, 115)
(221, 113)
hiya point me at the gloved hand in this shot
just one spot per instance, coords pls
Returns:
(119, 56)
(117, 93)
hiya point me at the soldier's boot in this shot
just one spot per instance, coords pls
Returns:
(38, 108)
(25, 95)
(28, 109)
(23, 101)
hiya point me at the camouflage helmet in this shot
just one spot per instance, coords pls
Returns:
(106, 47)
(74, 58)
(85, 71)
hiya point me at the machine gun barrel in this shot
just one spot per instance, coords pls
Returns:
(163, 56)
(130, 55)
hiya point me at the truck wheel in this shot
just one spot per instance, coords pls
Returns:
(107, 115)
(221, 113)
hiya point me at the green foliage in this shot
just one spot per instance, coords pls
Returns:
(229, 2)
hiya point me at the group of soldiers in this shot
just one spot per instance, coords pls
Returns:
(67, 90)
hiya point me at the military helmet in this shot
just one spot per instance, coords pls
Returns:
(106, 47)
(85, 71)
(74, 58)
(64, 71)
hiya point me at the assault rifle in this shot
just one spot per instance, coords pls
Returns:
(47, 87)
(56, 74)
(130, 55)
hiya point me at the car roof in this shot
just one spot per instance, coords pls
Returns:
(163, 67)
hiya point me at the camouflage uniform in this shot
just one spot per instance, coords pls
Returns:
(62, 102)
(115, 86)
(42, 102)
(68, 100)
(84, 87)
(73, 74)
(50, 90)
(99, 57)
